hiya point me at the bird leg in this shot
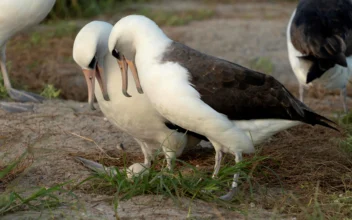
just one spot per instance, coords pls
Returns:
(146, 152)
(5, 75)
(301, 92)
(16, 107)
(134, 170)
(218, 158)
(137, 169)
(23, 96)
(170, 157)
(147, 156)
(234, 186)
(170, 153)
(17, 95)
(343, 95)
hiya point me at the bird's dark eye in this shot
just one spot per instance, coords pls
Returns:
(116, 54)
(92, 63)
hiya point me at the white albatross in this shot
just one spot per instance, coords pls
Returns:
(206, 95)
(15, 17)
(319, 42)
(135, 115)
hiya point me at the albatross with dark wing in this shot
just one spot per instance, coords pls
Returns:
(135, 115)
(206, 95)
(15, 17)
(319, 40)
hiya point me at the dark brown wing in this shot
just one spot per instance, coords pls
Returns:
(235, 91)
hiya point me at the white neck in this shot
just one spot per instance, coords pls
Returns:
(150, 45)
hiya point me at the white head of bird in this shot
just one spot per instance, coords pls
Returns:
(89, 50)
(130, 33)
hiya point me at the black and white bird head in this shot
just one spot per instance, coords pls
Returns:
(133, 36)
(325, 56)
(320, 30)
(89, 50)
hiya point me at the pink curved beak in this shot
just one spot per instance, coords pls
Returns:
(124, 64)
(90, 76)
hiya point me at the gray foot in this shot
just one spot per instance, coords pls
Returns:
(229, 196)
(22, 96)
(14, 107)
(97, 167)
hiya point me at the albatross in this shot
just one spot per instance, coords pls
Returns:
(319, 44)
(135, 115)
(15, 17)
(212, 97)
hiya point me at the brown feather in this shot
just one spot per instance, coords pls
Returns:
(233, 90)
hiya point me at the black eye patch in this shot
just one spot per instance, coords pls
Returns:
(116, 54)
(92, 63)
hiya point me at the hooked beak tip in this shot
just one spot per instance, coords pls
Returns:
(140, 90)
(106, 97)
(126, 94)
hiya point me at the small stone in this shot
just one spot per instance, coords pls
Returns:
(252, 205)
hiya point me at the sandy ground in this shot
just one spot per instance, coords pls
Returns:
(54, 134)
(58, 130)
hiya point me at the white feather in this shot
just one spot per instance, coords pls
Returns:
(17, 16)
(134, 115)
(170, 92)
(260, 130)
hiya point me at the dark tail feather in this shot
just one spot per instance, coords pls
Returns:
(175, 127)
(313, 119)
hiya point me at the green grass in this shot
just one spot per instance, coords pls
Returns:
(345, 121)
(14, 84)
(57, 29)
(333, 205)
(262, 64)
(323, 206)
(176, 18)
(50, 92)
(62, 29)
(38, 199)
(3, 92)
(66, 9)
(185, 181)
(69, 9)
(346, 144)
